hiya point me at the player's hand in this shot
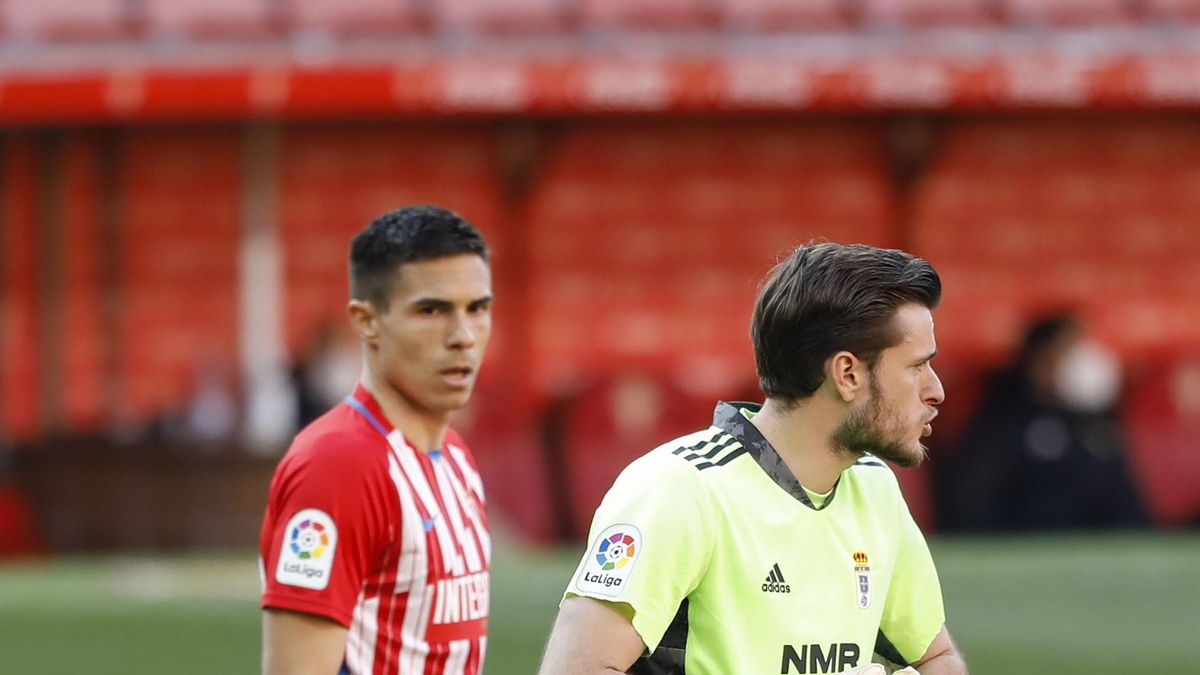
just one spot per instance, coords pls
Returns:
(869, 669)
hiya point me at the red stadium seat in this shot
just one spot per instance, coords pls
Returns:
(1085, 214)
(639, 14)
(1173, 10)
(672, 197)
(350, 17)
(53, 20)
(1162, 415)
(502, 16)
(82, 292)
(20, 376)
(334, 180)
(929, 12)
(1066, 12)
(608, 425)
(170, 253)
(210, 18)
(19, 535)
(780, 15)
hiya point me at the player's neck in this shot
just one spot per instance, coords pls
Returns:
(422, 429)
(801, 437)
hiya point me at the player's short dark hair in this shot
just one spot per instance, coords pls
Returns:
(825, 298)
(405, 235)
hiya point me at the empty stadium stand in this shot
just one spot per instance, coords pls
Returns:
(83, 337)
(636, 14)
(66, 20)
(211, 19)
(334, 180)
(355, 17)
(1162, 417)
(647, 241)
(898, 13)
(181, 238)
(504, 17)
(57, 21)
(1067, 12)
(1022, 217)
(19, 377)
(785, 15)
(602, 427)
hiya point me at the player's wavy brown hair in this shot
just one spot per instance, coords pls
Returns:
(408, 234)
(825, 298)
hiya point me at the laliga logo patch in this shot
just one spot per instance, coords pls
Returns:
(862, 579)
(306, 556)
(610, 561)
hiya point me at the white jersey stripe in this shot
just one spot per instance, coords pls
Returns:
(424, 491)
(481, 534)
(456, 662)
(464, 466)
(413, 569)
(364, 631)
(452, 495)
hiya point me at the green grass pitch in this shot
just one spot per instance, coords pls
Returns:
(1058, 605)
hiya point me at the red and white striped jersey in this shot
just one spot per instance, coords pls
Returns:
(388, 541)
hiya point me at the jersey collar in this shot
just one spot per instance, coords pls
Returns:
(729, 418)
(366, 406)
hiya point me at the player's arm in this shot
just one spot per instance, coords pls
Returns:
(942, 657)
(591, 637)
(301, 644)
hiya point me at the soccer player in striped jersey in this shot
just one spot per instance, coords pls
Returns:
(375, 547)
(776, 541)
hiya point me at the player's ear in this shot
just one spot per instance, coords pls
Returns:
(848, 375)
(364, 319)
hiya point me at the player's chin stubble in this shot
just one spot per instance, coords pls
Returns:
(874, 429)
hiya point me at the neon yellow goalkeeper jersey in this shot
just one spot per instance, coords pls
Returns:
(729, 568)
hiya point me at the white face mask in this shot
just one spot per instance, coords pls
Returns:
(1088, 378)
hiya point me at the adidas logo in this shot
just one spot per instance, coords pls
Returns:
(775, 582)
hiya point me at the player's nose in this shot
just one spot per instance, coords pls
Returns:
(462, 332)
(934, 393)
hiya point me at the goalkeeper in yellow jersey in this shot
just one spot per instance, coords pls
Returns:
(777, 539)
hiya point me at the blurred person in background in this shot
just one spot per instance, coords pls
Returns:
(375, 548)
(209, 418)
(778, 535)
(1045, 450)
(325, 371)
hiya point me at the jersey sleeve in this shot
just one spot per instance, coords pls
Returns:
(648, 544)
(913, 614)
(326, 523)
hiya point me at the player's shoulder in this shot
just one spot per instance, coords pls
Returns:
(686, 459)
(872, 468)
(875, 475)
(337, 441)
(663, 478)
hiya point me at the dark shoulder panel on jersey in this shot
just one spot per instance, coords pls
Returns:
(870, 460)
(670, 656)
(716, 448)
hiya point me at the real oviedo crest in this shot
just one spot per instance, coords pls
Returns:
(862, 579)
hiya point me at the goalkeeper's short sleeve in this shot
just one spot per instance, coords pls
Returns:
(649, 544)
(913, 614)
